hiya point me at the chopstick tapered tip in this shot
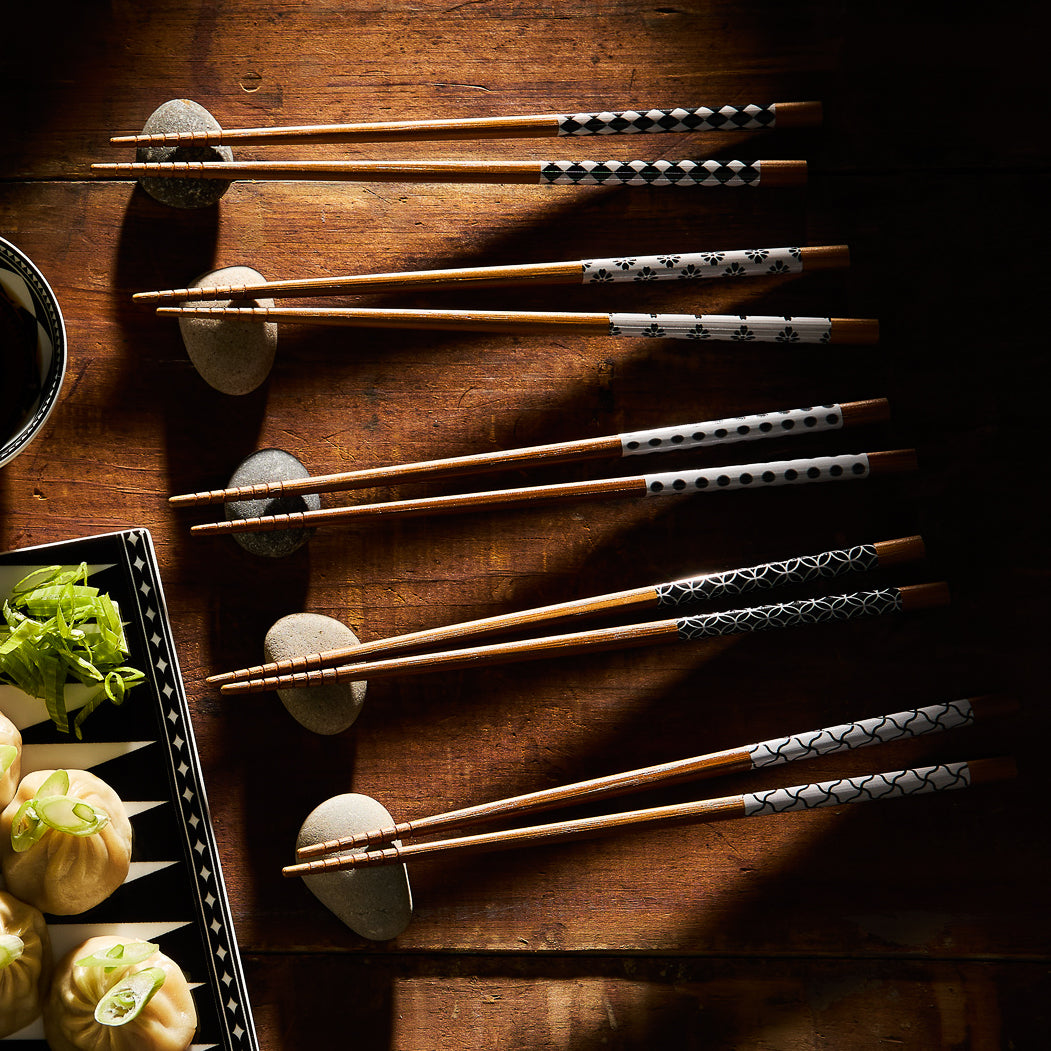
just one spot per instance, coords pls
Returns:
(222, 677)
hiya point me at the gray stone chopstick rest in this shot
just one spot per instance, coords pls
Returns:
(175, 116)
(373, 902)
(271, 465)
(326, 709)
(233, 357)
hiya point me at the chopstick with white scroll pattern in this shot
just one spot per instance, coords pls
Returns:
(669, 266)
(728, 328)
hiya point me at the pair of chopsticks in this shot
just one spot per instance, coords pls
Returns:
(544, 125)
(352, 851)
(715, 432)
(680, 266)
(707, 587)
(324, 668)
(709, 433)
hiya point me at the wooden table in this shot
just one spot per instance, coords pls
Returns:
(919, 924)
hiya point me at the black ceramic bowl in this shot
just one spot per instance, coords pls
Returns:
(40, 369)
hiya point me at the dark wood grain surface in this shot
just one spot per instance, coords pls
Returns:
(918, 924)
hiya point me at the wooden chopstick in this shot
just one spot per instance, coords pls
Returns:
(826, 609)
(713, 479)
(891, 785)
(735, 328)
(680, 266)
(707, 173)
(527, 126)
(756, 426)
(914, 722)
(826, 565)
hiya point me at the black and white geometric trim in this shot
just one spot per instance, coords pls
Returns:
(822, 610)
(916, 722)
(212, 902)
(734, 429)
(650, 173)
(898, 783)
(825, 566)
(741, 328)
(689, 266)
(759, 475)
(698, 118)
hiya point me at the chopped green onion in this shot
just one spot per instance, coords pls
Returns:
(71, 815)
(53, 807)
(57, 784)
(127, 998)
(123, 954)
(27, 827)
(11, 947)
(8, 754)
(55, 629)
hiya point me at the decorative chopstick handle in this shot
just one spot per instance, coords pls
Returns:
(748, 428)
(688, 266)
(736, 328)
(799, 570)
(896, 784)
(679, 119)
(759, 475)
(659, 173)
(823, 610)
(935, 718)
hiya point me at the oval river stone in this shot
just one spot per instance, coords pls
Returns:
(233, 357)
(271, 465)
(174, 116)
(326, 709)
(373, 902)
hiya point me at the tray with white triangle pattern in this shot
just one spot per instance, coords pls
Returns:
(174, 894)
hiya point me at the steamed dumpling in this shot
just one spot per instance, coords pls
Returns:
(62, 873)
(10, 763)
(25, 974)
(166, 1023)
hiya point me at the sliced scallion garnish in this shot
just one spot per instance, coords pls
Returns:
(26, 828)
(55, 629)
(8, 754)
(71, 815)
(11, 947)
(127, 998)
(57, 784)
(123, 954)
